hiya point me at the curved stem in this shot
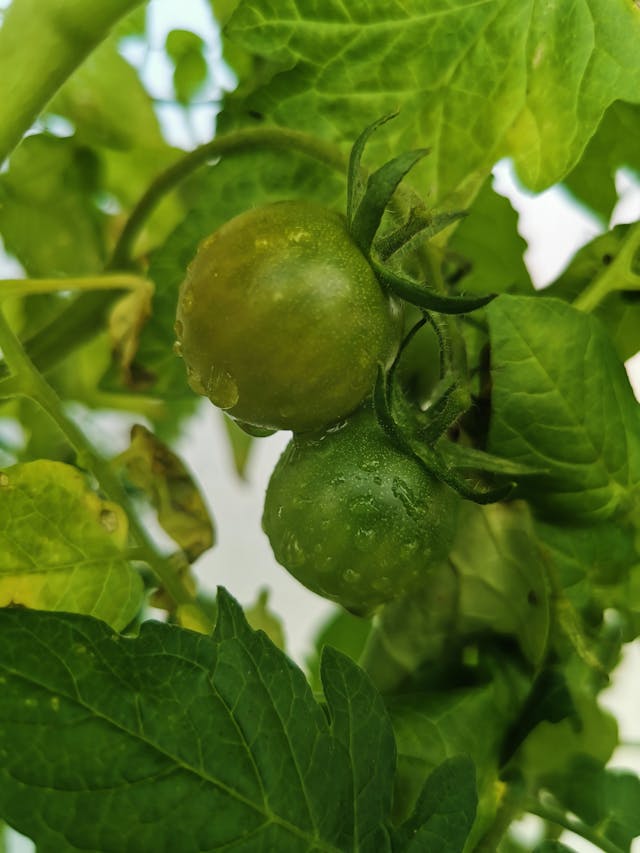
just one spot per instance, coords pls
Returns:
(76, 325)
(34, 386)
(554, 814)
(236, 142)
(41, 42)
(619, 275)
(509, 809)
(28, 286)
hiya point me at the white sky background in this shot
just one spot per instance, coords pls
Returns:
(554, 228)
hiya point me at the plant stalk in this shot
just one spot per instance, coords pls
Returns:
(554, 814)
(41, 43)
(77, 323)
(28, 286)
(277, 138)
(619, 275)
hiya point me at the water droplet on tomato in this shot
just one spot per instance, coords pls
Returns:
(222, 389)
(365, 538)
(195, 381)
(177, 348)
(186, 302)
(351, 576)
(292, 552)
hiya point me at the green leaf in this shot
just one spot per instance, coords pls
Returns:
(561, 727)
(190, 67)
(488, 244)
(360, 723)
(433, 726)
(551, 71)
(201, 741)
(63, 547)
(223, 191)
(561, 401)
(41, 43)
(602, 798)
(584, 557)
(48, 218)
(240, 444)
(261, 617)
(445, 810)
(501, 575)
(342, 631)
(553, 847)
(107, 103)
(619, 314)
(549, 700)
(612, 147)
(414, 635)
(378, 192)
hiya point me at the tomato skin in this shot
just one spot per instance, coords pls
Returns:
(356, 519)
(281, 320)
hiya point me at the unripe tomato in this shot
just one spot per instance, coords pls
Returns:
(356, 519)
(281, 320)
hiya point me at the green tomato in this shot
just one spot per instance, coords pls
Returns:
(281, 320)
(356, 519)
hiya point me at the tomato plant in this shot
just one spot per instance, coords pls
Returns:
(457, 511)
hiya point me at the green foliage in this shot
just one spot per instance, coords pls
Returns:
(560, 401)
(63, 548)
(438, 66)
(190, 66)
(48, 189)
(470, 695)
(223, 724)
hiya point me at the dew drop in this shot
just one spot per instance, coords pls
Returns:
(195, 381)
(351, 576)
(365, 538)
(406, 497)
(179, 328)
(55, 703)
(186, 303)
(177, 348)
(222, 389)
(4, 480)
(109, 520)
(293, 553)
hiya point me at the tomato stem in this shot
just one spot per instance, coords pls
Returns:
(77, 324)
(26, 286)
(33, 385)
(236, 142)
(553, 814)
(65, 32)
(621, 274)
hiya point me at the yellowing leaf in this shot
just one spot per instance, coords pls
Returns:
(126, 321)
(62, 547)
(182, 512)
